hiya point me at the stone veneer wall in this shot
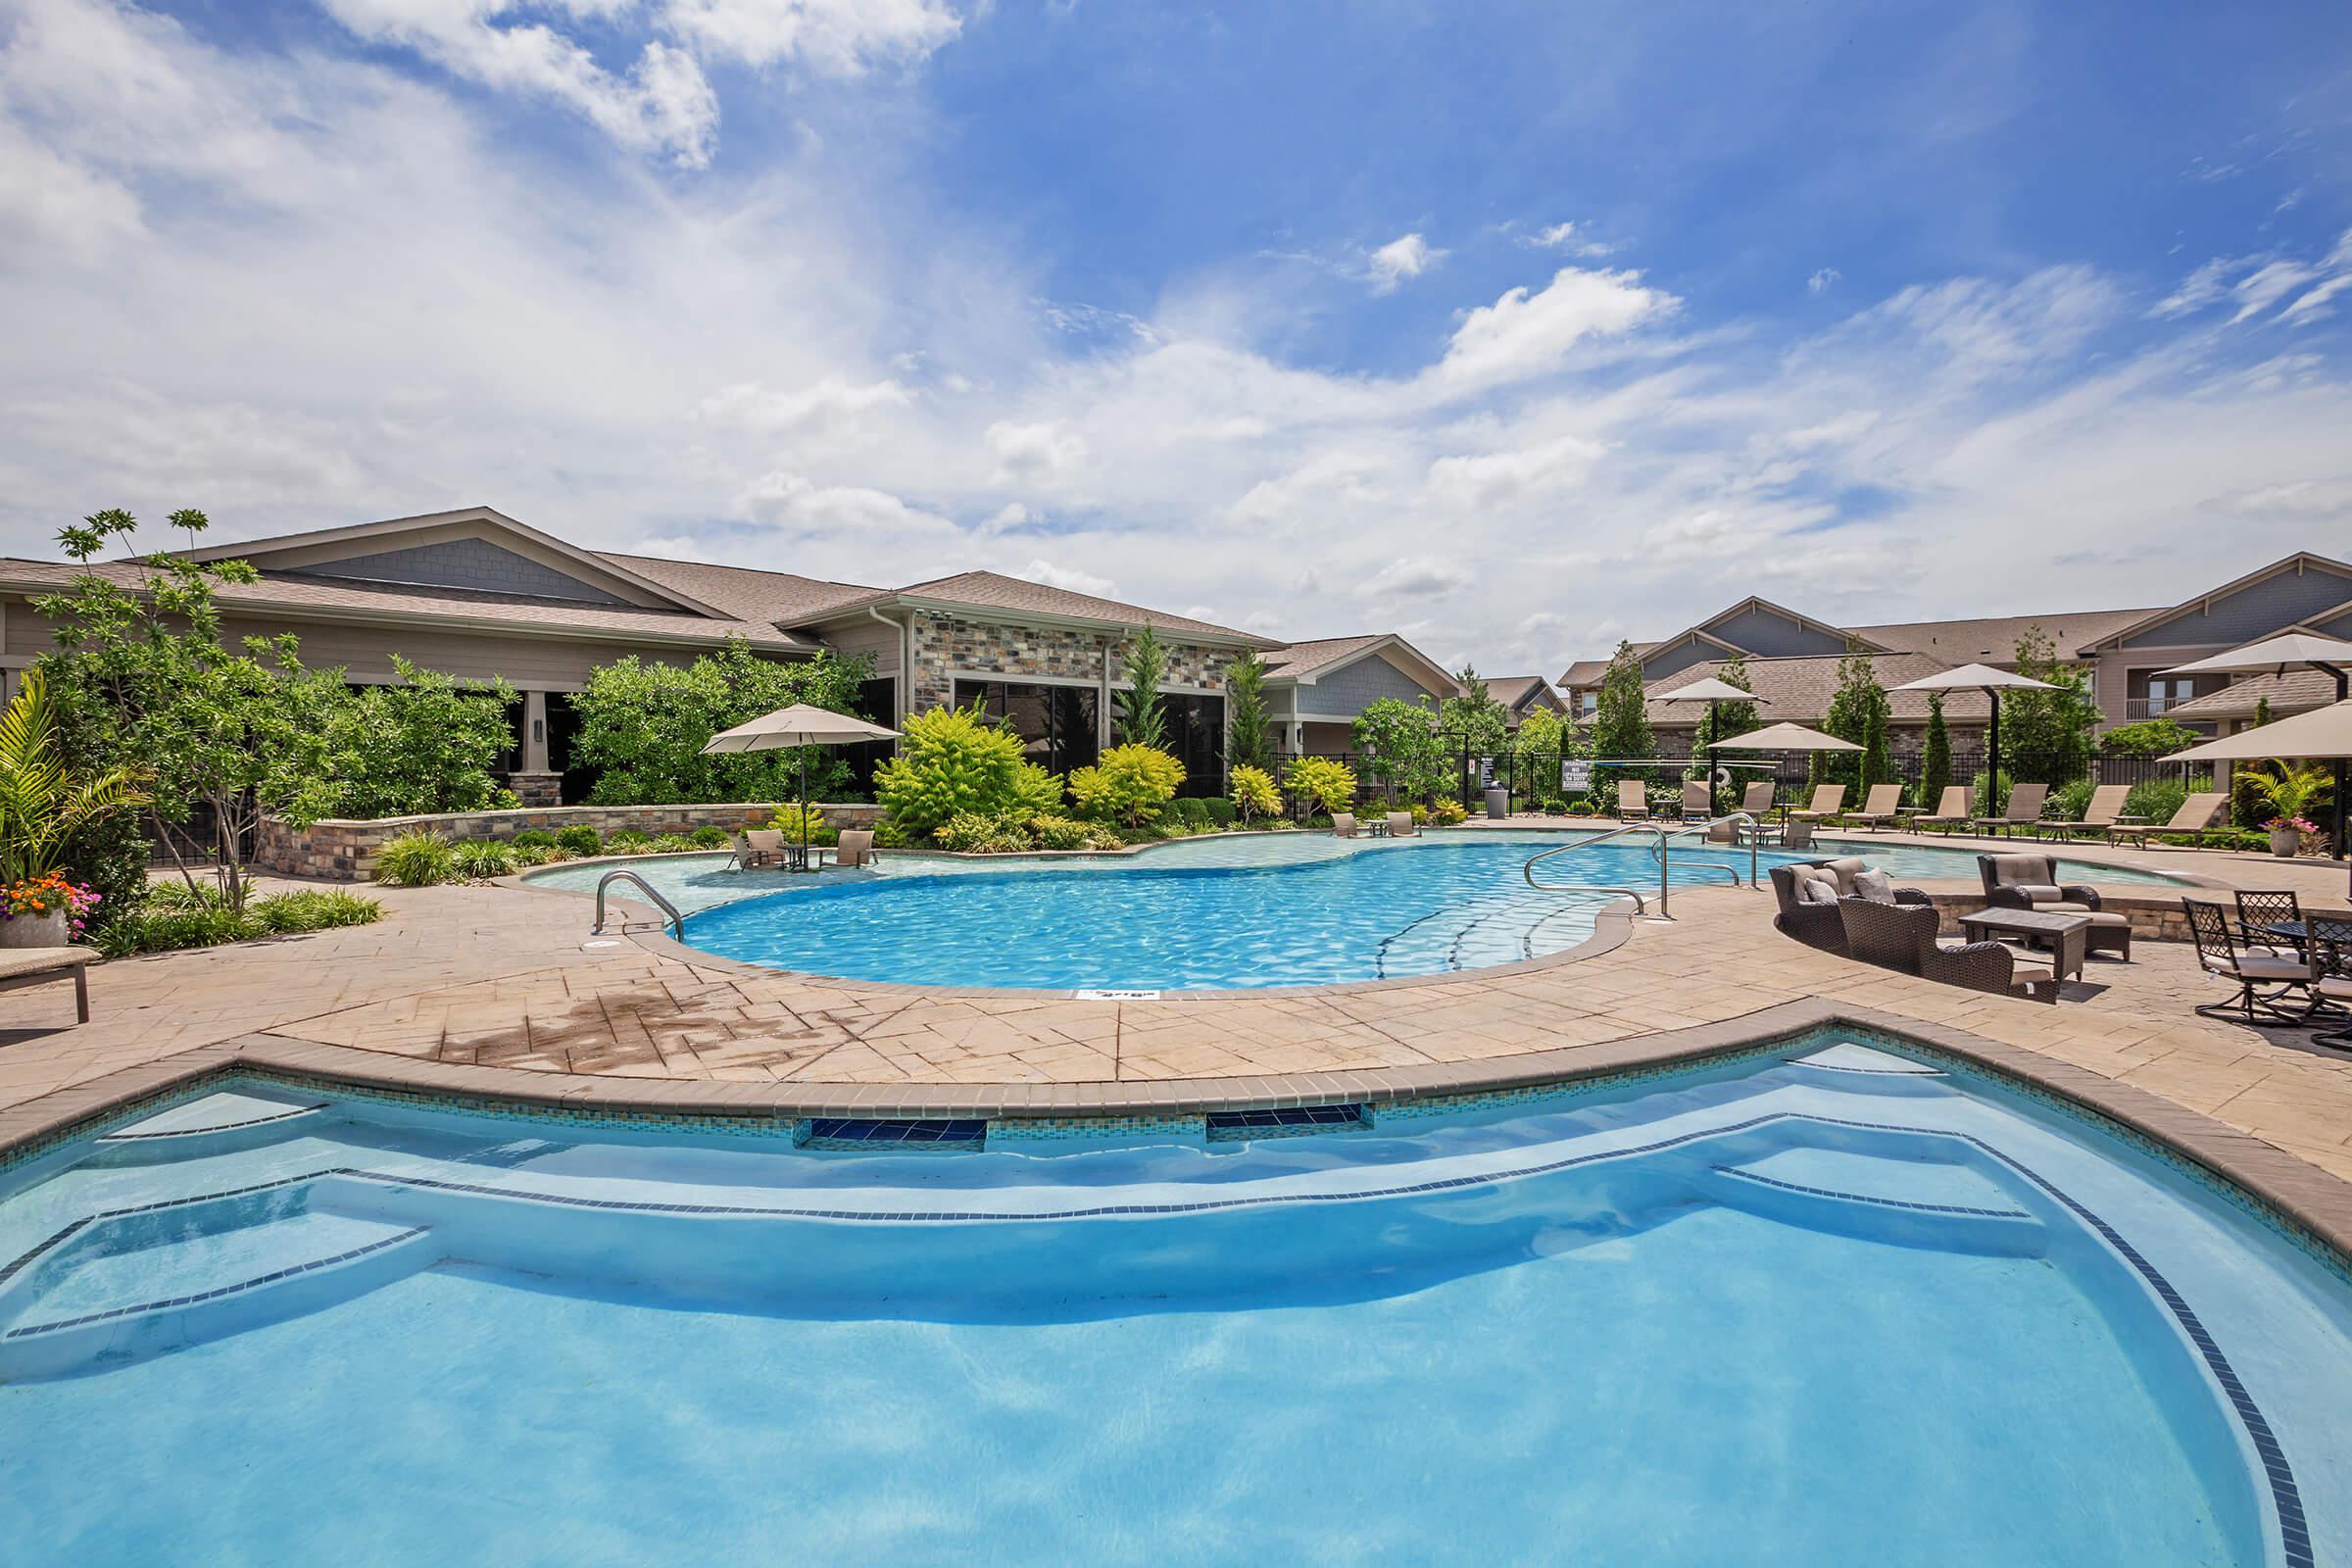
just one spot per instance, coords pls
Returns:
(944, 645)
(347, 849)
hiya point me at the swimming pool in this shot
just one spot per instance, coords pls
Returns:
(1229, 913)
(1829, 1304)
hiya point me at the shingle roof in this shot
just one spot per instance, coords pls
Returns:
(748, 592)
(1993, 639)
(1798, 690)
(342, 598)
(1305, 658)
(1584, 673)
(1512, 690)
(991, 590)
(2294, 691)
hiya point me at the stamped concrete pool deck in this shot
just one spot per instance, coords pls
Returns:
(500, 989)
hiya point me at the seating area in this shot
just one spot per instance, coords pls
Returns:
(2287, 969)
(2103, 818)
(1846, 908)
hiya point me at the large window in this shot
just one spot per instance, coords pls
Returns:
(1196, 735)
(1058, 725)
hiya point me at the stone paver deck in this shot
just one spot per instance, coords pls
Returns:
(506, 978)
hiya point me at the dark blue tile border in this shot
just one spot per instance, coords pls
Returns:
(1867, 1200)
(271, 1278)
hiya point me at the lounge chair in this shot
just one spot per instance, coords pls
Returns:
(2195, 818)
(2219, 952)
(1828, 801)
(1343, 824)
(2030, 882)
(1883, 806)
(1633, 801)
(1400, 825)
(2025, 810)
(1902, 937)
(1758, 799)
(746, 856)
(856, 848)
(2106, 803)
(1808, 895)
(1698, 801)
(1951, 812)
(32, 967)
(769, 845)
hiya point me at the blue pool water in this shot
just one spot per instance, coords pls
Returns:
(1284, 909)
(1833, 1306)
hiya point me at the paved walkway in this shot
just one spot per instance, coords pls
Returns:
(505, 977)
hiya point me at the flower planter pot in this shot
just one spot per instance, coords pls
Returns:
(34, 930)
(2286, 841)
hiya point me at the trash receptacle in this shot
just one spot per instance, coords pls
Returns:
(1498, 804)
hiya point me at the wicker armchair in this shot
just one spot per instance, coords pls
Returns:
(2030, 882)
(1817, 925)
(1902, 937)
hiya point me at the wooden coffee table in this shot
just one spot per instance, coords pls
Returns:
(2068, 935)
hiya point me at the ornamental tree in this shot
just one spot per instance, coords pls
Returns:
(1128, 783)
(951, 760)
(1142, 722)
(1399, 740)
(1250, 739)
(643, 725)
(1253, 793)
(1474, 719)
(1935, 757)
(1321, 783)
(2046, 735)
(1621, 718)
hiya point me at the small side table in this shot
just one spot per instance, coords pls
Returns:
(2069, 935)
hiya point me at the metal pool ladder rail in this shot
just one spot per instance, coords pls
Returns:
(1661, 851)
(677, 921)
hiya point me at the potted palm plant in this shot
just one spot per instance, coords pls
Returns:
(41, 807)
(2290, 793)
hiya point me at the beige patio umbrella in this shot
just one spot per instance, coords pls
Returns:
(797, 725)
(1786, 738)
(2325, 734)
(2331, 655)
(1992, 682)
(1714, 693)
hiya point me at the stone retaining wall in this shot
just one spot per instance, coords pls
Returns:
(2155, 917)
(346, 850)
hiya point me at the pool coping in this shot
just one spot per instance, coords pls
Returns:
(2308, 1198)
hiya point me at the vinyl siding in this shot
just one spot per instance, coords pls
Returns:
(2254, 612)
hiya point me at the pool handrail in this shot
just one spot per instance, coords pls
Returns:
(675, 922)
(1661, 851)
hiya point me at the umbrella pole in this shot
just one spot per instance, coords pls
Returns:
(1992, 761)
(803, 805)
(1714, 734)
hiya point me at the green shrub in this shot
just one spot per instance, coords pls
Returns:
(1035, 792)
(1253, 794)
(1193, 813)
(1449, 813)
(533, 838)
(787, 821)
(416, 861)
(582, 839)
(709, 837)
(1321, 783)
(673, 844)
(643, 724)
(628, 841)
(888, 835)
(1129, 784)
(1059, 833)
(976, 833)
(1221, 812)
(315, 909)
(2068, 801)
(536, 853)
(2156, 800)
(952, 762)
(483, 858)
(168, 930)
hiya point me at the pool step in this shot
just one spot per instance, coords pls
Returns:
(138, 1283)
(1499, 928)
(224, 1122)
(1935, 1200)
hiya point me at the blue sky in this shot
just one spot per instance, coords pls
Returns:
(1514, 327)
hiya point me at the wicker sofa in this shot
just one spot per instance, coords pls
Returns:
(1817, 925)
(1902, 937)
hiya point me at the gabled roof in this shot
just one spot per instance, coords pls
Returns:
(1589, 672)
(749, 592)
(2294, 692)
(1993, 639)
(319, 547)
(995, 593)
(1512, 690)
(1755, 601)
(1799, 689)
(1304, 663)
(333, 598)
(2300, 561)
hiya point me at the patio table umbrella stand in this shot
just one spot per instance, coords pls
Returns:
(1787, 737)
(798, 725)
(1992, 682)
(2325, 734)
(2329, 655)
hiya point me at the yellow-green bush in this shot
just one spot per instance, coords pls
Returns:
(1129, 784)
(1253, 793)
(952, 762)
(1323, 784)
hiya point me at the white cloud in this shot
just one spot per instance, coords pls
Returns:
(1566, 238)
(2205, 286)
(792, 503)
(1522, 334)
(2267, 285)
(51, 205)
(843, 37)
(1823, 280)
(663, 105)
(830, 406)
(1399, 258)
(1046, 451)
(1503, 477)
(1068, 578)
(1418, 576)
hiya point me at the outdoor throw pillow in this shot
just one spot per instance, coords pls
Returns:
(1815, 888)
(1874, 885)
